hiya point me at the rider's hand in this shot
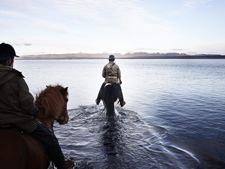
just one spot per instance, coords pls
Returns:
(35, 113)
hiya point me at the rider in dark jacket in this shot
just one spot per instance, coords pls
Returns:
(16, 102)
(17, 107)
(112, 74)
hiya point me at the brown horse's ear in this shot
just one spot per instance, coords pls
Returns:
(64, 90)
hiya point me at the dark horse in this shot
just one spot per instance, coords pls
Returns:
(21, 150)
(110, 99)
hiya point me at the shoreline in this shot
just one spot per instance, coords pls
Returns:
(136, 57)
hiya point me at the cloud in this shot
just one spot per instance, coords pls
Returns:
(10, 13)
(59, 28)
(21, 44)
(4, 23)
(156, 50)
(27, 44)
(124, 12)
(195, 3)
(187, 5)
(104, 25)
(44, 13)
(97, 10)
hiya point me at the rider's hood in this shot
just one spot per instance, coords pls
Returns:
(7, 73)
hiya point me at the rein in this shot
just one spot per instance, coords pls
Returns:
(61, 118)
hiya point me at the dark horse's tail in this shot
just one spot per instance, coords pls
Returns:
(109, 97)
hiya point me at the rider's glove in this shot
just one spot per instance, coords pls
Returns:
(35, 113)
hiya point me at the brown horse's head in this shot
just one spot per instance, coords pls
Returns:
(52, 105)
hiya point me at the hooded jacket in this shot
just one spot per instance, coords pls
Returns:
(16, 102)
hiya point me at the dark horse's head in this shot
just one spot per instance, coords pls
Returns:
(109, 97)
(52, 105)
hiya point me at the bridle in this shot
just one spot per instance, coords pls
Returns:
(61, 118)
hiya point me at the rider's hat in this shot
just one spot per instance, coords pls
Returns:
(111, 57)
(7, 51)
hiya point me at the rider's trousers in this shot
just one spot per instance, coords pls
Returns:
(119, 92)
(50, 143)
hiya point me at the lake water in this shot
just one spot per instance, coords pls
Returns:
(174, 116)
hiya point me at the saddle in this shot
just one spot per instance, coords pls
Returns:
(11, 127)
(116, 88)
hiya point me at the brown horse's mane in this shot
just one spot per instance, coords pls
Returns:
(22, 149)
(51, 101)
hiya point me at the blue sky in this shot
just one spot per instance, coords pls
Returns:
(97, 26)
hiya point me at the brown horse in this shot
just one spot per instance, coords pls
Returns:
(21, 151)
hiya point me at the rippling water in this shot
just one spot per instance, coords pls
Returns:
(174, 117)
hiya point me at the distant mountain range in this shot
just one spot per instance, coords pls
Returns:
(137, 55)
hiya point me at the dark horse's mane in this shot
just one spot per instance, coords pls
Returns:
(51, 98)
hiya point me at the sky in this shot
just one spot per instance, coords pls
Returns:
(113, 26)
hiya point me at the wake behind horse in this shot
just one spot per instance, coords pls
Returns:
(21, 150)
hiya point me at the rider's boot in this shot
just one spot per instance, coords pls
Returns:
(69, 164)
(97, 101)
(122, 103)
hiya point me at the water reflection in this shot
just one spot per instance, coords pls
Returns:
(111, 139)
